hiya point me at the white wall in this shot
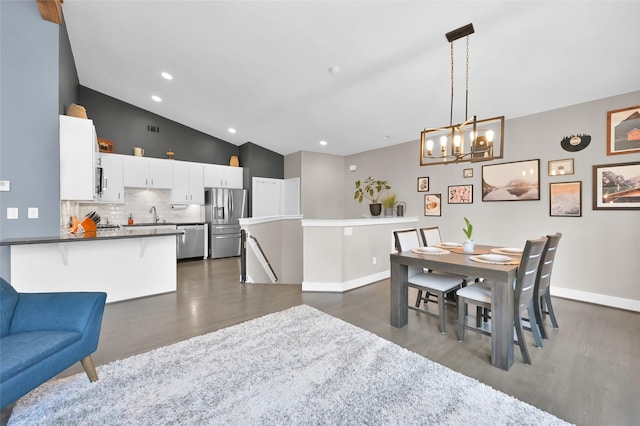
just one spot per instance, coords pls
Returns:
(598, 256)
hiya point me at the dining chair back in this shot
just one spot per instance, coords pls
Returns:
(542, 292)
(523, 296)
(438, 285)
(430, 236)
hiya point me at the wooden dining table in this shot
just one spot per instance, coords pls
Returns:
(500, 277)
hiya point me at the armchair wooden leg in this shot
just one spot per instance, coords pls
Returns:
(89, 368)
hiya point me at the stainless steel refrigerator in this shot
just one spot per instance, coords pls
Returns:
(223, 208)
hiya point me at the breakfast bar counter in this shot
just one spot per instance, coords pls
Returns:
(124, 263)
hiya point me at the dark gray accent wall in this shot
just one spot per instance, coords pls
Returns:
(68, 74)
(126, 126)
(259, 162)
(29, 159)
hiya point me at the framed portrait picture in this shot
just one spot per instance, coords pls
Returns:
(623, 131)
(561, 167)
(423, 184)
(433, 205)
(616, 186)
(516, 181)
(467, 173)
(565, 199)
(460, 194)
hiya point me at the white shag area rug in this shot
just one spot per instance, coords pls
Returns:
(295, 367)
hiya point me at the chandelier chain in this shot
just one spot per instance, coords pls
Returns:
(451, 107)
(466, 100)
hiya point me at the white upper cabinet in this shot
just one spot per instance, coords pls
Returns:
(217, 176)
(112, 178)
(147, 173)
(160, 173)
(188, 183)
(78, 157)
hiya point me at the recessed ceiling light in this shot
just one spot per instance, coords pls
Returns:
(156, 98)
(323, 143)
(167, 76)
(334, 69)
(231, 130)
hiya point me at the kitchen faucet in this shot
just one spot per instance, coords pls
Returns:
(155, 214)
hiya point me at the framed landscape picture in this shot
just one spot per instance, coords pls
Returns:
(623, 131)
(616, 186)
(565, 199)
(516, 181)
(460, 194)
(423, 184)
(433, 205)
(561, 167)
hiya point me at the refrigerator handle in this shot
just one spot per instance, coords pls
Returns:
(230, 201)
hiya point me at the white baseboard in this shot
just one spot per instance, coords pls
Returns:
(340, 287)
(598, 299)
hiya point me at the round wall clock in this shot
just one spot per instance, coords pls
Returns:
(575, 143)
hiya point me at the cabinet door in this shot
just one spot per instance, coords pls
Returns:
(78, 155)
(160, 173)
(213, 176)
(196, 183)
(136, 171)
(180, 188)
(112, 178)
(234, 177)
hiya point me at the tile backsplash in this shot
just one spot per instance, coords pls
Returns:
(138, 202)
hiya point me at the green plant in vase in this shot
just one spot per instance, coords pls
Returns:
(468, 231)
(389, 202)
(372, 190)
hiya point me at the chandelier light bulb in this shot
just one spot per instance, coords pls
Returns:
(490, 135)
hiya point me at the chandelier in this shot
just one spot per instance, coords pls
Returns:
(470, 141)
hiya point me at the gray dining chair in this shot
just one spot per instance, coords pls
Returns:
(522, 298)
(542, 294)
(437, 284)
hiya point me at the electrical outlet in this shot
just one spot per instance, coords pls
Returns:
(374, 260)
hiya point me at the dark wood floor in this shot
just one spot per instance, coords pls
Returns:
(586, 374)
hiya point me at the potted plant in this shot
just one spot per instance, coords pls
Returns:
(468, 244)
(372, 190)
(389, 201)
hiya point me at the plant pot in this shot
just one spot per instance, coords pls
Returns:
(469, 246)
(375, 209)
(388, 211)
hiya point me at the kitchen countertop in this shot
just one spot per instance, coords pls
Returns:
(102, 234)
(162, 224)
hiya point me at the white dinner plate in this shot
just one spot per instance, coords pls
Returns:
(512, 250)
(495, 257)
(429, 250)
(451, 244)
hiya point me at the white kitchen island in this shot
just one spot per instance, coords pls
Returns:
(125, 264)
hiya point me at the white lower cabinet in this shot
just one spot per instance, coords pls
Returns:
(112, 178)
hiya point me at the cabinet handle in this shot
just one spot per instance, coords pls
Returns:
(151, 182)
(106, 183)
(146, 181)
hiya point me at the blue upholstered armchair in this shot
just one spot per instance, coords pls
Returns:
(42, 334)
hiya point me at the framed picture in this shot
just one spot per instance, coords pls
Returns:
(432, 205)
(460, 194)
(623, 131)
(516, 181)
(616, 186)
(565, 199)
(467, 173)
(423, 184)
(561, 167)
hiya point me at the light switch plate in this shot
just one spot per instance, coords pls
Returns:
(12, 212)
(32, 213)
(5, 185)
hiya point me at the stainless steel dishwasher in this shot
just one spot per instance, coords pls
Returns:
(191, 242)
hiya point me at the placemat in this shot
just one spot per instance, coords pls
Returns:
(417, 251)
(481, 260)
(460, 250)
(507, 253)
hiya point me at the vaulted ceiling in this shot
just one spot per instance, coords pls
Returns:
(263, 67)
